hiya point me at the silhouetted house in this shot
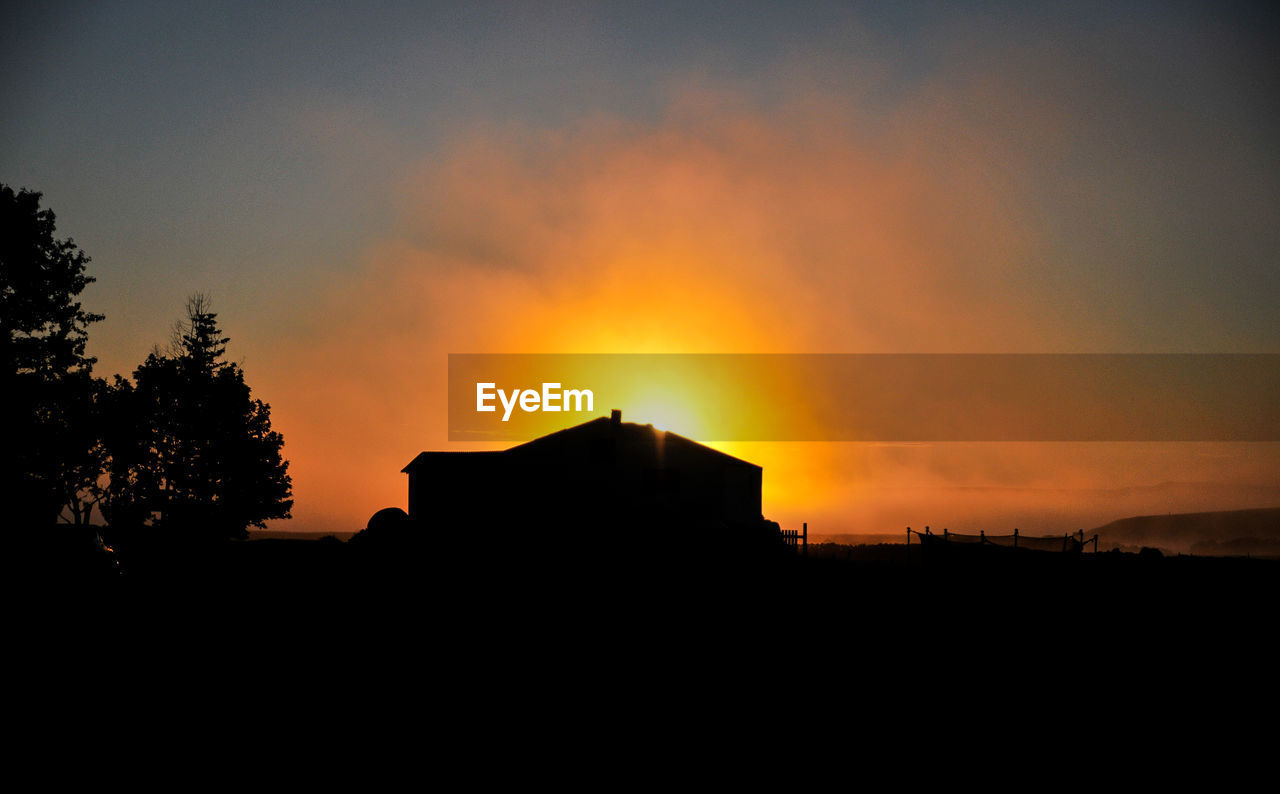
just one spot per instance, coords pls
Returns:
(600, 474)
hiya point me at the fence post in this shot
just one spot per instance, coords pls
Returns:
(806, 538)
(1015, 537)
(982, 537)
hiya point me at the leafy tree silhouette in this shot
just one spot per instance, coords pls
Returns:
(190, 447)
(48, 395)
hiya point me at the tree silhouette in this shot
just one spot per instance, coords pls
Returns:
(189, 445)
(48, 395)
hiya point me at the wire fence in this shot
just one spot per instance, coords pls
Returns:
(1066, 542)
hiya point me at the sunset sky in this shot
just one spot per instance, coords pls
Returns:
(366, 188)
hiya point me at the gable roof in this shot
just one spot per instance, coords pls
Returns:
(603, 428)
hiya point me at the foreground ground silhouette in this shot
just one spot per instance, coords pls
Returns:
(903, 588)
(846, 632)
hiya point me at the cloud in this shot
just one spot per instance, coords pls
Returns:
(809, 224)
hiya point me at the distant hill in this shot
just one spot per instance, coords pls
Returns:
(1232, 532)
(852, 539)
(285, 534)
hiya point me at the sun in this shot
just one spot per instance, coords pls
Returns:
(665, 412)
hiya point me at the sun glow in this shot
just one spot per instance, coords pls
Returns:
(665, 412)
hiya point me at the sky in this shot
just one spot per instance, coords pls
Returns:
(365, 188)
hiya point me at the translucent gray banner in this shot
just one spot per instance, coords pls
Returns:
(867, 397)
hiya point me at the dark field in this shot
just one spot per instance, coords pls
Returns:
(835, 579)
(472, 623)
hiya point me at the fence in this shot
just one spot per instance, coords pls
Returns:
(796, 539)
(1065, 543)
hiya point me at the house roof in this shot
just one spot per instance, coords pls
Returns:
(641, 436)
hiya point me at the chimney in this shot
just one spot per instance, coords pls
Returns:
(615, 416)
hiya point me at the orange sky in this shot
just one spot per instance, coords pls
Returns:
(364, 192)
(723, 226)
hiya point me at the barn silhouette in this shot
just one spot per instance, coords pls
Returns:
(604, 479)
